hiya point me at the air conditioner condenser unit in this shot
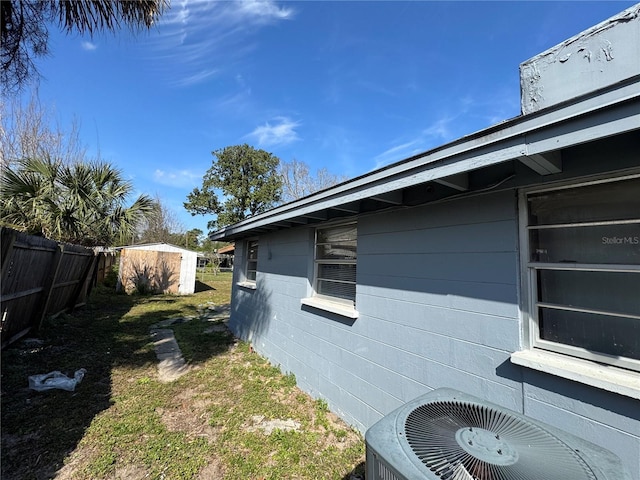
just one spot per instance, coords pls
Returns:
(450, 435)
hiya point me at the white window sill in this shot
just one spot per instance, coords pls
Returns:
(329, 306)
(249, 285)
(606, 377)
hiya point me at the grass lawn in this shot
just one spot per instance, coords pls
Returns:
(122, 423)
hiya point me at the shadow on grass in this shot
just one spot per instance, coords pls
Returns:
(40, 429)
(357, 473)
(202, 287)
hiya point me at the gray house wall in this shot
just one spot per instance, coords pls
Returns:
(438, 303)
(438, 288)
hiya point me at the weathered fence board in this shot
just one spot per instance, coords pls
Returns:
(40, 278)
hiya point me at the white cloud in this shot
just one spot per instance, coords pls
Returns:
(439, 129)
(177, 178)
(438, 133)
(280, 133)
(88, 46)
(398, 152)
(263, 10)
(197, 36)
(401, 149)
(238, 102)
(196, 77)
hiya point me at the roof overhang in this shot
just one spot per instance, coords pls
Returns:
(535, 140)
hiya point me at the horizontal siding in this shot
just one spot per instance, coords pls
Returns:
(422, 298)
(484, 210)
(478, 267)
(497, 236)
(433, 312)
(437, 297)
(611, 421)
(285, 253)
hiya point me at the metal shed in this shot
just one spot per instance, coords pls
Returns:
(157, 268)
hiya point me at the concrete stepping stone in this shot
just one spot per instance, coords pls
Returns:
(217, 328)
(268, 426)
(171, 321)
(172, 364)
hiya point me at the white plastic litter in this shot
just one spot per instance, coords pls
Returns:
(55, 380)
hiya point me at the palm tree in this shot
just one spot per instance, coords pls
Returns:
(24, 34)
(81, 203)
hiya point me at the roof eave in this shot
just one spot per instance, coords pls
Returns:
(606, 112)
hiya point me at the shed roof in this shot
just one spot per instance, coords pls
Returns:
(146, 246)
(228, 249)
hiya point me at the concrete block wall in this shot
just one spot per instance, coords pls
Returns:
(438, 303)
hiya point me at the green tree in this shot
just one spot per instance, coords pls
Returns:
(248, 180)
(189, 239)
(81, 203)
(24, 34)
(192, 238)
(209, 246)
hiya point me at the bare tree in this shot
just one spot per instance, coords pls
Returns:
(161, 226)
(32, 131)
(298, 182)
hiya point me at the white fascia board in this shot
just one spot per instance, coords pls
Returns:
(608, 112)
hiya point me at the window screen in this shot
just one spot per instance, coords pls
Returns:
(252, 260)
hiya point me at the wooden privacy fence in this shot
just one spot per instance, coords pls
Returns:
(40, 277)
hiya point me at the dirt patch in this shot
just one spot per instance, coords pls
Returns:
(213, 471)
(189, 415)
(188, 421)
(74, 462)
(131, 472)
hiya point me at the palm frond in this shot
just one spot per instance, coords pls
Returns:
(97, 15)
(82, 203)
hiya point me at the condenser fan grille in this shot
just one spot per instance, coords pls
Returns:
(464, 441)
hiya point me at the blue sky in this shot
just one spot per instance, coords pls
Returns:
(350, 86)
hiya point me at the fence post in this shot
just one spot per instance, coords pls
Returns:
(85, 275)
(8, 236)
(47, 288)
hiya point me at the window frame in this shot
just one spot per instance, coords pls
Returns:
(248, 259)
(529, 289)
(350, 304)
